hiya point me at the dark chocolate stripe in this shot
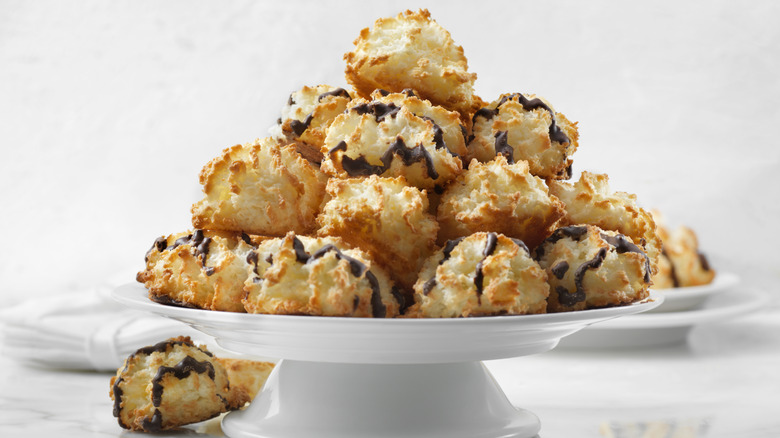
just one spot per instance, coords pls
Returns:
(153, 425)
(490, 247)
(555, 132)
(522, 245)
(181, 241)
(623, 245)
(705, 264)
(502, 147)
(180, 371)
(355, 266)
(485, 113)
(300, 251)
(429, 285)
(299, 127)
(672, 270)
(159, 244)
(574, 231)
(339, 92)
(448, 248)
(379, 110)
(342, 146)
(118, 393)
(168, 301)
(409, 156)
(569, 299)
(560, 269)
(438, 136)
(404, 301)
(252, 259)
(378, 309)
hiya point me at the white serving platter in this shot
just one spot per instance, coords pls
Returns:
(351, 377)
(687, 298)
(667, 328)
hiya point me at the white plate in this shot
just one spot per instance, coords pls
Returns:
(654, 329)
(356, 377)
(687, 298)
(382, 341)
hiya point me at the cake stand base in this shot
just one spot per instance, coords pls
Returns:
(330, 400)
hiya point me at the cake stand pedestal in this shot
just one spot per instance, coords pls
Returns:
(357, 377)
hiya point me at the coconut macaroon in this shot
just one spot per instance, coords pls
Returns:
(525, 127)
(384, 217)
(306, 117)
(501, 197)
(591, 201)
(681, 263)
(453, 133)
(260, 188)
(321, 277)
(480, 275)
(200, 269)
(170, 384)
(381, 137)
(588, 267)
(412, 51)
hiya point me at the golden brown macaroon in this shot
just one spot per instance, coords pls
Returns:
(525, 127)
(170, 384)
(200, 269)
(260, 188)
(591, 201)
(384, 217)
(501, 197)
(453, 133)
(588, 267)
(246, 377)
(321, 277)
(480, 275)
(385, 137)
(681, 263)
(306, 117)
(412, 51)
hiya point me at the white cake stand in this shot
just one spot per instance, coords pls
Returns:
(356, 377)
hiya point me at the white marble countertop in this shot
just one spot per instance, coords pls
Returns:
(722, 383)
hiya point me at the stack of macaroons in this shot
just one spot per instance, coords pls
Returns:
(407, 196)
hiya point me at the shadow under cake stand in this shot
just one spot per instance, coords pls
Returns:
(360, 377)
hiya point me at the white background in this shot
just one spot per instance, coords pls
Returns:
(108, 110)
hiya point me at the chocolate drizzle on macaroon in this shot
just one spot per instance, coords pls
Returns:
(180, 371)
(299, 127)
(356, 267)
(623, 245)
(447, 251)
(198, 242)
(502, 147)
(361, 167)
(490, 247)
(620, 243)
(336, 92)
